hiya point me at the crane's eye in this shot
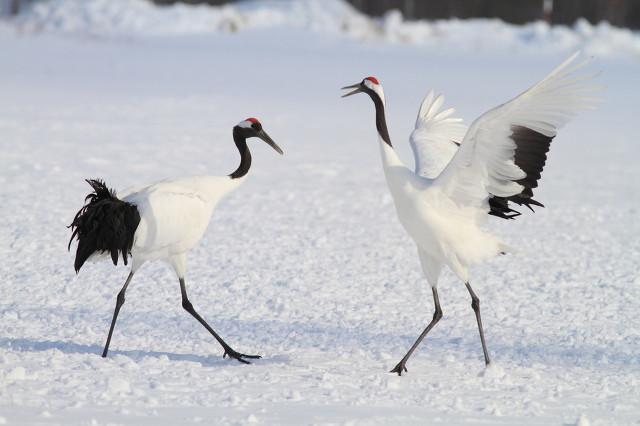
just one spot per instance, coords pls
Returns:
(256, 126)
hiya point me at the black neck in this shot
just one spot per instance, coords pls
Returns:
(381, 121)
(245, 155)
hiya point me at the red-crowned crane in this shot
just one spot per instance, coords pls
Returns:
(161, 221)
(461, 175)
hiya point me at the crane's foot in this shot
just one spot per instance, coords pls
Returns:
(238, 356)
(399, 368)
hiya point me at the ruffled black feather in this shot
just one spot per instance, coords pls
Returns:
(104, 224)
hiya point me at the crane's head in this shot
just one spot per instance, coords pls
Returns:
(252, 128)
(369, 85)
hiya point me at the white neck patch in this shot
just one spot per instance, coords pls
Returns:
(245, 124)
(376, 88)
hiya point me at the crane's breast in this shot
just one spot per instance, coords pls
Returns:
(171, 221)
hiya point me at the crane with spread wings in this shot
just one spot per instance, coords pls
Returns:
(463, 175)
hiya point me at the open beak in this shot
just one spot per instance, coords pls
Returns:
(265, 137)
(357, 87)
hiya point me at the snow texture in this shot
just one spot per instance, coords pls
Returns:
(306, 264)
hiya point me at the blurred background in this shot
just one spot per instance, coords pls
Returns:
(623, 13)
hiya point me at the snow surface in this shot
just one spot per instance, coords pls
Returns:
(306, 263)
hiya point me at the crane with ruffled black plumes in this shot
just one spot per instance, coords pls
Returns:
(161, 221)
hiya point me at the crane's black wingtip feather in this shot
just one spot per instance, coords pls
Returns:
(104, 224)
(530, 155)
(499, 206)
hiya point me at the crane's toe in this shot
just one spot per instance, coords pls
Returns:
(238, 356)
(399, 368)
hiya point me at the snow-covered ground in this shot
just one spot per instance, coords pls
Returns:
(306, 263)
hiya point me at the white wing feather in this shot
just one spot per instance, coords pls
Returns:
(435, 138)
(484, 163)
(174, 214)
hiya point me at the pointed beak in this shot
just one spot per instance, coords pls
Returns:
(265, 137)
(357, 87)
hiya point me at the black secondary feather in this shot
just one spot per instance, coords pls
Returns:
(530, 156)
(104, 224)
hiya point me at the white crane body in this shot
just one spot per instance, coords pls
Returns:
(174, 215)
(444, 233)
(463, 175)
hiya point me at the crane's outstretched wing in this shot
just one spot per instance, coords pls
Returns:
(435, 141)
(504, 151)
(436, 137)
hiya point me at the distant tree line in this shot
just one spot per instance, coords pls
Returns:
(622, 13)
(9, 7)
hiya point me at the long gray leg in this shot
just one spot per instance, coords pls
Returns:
(475, 304)
(119, 303)
(186, 304)
(437, 315)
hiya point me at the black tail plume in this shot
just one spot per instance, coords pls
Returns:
(104, 224)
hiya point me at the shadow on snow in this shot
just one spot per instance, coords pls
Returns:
(29, 345)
